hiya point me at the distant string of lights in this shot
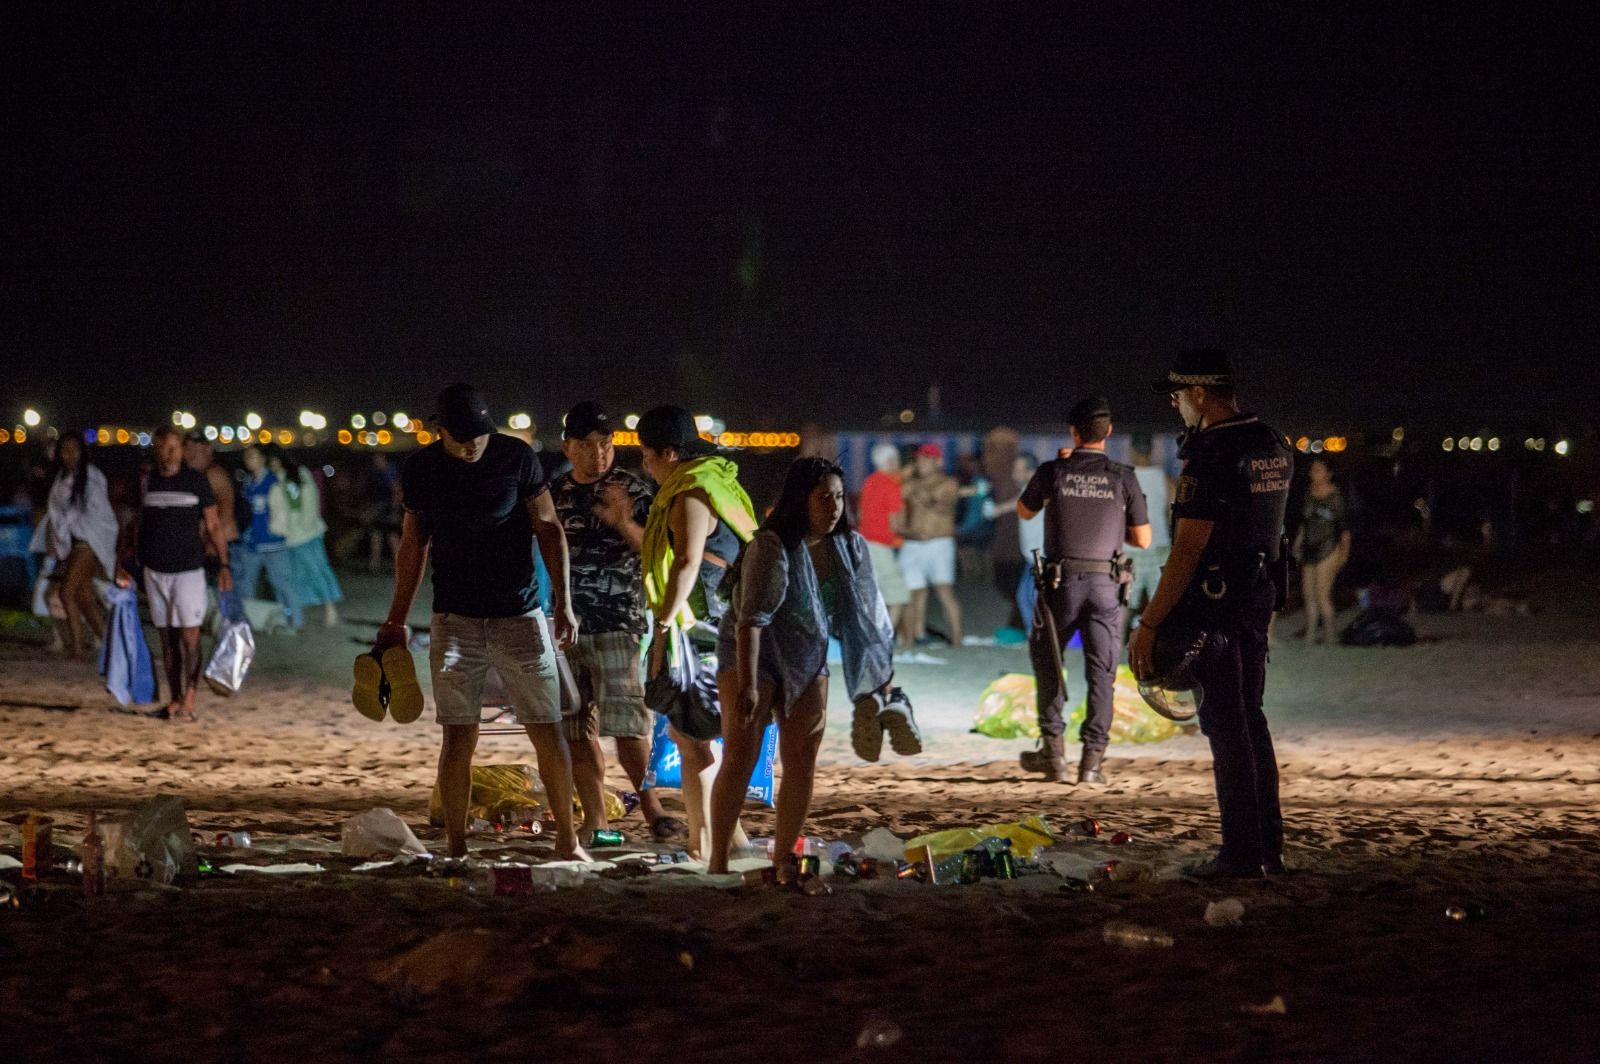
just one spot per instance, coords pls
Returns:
(375, 429)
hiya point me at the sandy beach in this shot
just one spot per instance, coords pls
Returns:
(1464, 771)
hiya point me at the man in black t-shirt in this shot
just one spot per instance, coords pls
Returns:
(1225, 579)
(603, 510)
(476, 501)
(177, 503)
(1092, 506)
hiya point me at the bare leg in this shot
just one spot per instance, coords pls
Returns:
(917, 615)
(588, 776)
(455, 783)
(1329, 572)
(1308, 591)
(555, 772)
(952, 611)
(799, 738)
(741, 748)
(634, 757)
(699, 765)
(172, 665)
(189, 645)
(76, 587)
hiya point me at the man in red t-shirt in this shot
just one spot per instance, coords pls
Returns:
(881, 509)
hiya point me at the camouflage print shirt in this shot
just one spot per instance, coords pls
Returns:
(607, 581)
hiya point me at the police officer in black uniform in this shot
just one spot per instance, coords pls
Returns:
(1224, 579)
(1092, 506)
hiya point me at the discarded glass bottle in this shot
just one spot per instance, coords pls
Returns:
(93, 852)
(1133, 936)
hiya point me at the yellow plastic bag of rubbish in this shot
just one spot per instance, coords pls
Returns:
(1007, 708)
(1132, 721)
(499, 789)
(1027, 838)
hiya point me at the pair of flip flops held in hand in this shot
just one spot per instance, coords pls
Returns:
(386, 682)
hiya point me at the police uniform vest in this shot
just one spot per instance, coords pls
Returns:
(1092, 502)
(1236, 474)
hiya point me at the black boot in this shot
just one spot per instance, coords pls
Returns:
(1089, 766)
(1050, 759)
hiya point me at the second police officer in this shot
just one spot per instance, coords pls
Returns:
(1218, 591)
(1092, 508)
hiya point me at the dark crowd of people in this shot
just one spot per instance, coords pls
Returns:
(597, 594)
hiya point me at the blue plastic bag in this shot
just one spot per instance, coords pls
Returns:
(666, 767)
(124, 655)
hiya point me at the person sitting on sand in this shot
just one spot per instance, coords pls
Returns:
(805, 574)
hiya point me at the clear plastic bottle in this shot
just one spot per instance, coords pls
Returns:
(1133, 936)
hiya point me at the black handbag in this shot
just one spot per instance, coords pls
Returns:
(684, 688)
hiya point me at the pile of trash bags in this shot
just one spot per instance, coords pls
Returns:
(1008, 709)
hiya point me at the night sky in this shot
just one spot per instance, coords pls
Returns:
(779, 217)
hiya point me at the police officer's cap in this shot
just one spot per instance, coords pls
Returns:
(1206, 366)
(1087, 409)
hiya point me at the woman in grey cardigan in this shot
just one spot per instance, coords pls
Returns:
(806, 574)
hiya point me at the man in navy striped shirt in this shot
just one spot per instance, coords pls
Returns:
(166, 540)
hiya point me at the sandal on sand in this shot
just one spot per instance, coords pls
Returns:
(666, 827)
(183, 716)
(367, 693)
(405, 694)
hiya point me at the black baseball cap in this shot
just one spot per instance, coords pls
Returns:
(672, 426)
(463, 412)
(1203, 366)
(1087, 409)
(588, 416)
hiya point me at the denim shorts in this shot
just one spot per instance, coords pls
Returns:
(520, 650)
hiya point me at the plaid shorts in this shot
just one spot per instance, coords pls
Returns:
(608, 668)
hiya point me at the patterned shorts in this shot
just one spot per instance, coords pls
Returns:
(608, 667)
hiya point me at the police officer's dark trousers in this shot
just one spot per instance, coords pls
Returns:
(1232, 670)
(1085, 603)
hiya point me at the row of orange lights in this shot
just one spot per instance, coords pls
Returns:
(625, 438)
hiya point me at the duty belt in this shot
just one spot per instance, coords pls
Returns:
(1077, 566)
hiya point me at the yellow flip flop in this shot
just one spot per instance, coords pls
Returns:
(367, 693)
(405, 694)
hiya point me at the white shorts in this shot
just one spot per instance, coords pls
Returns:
(891, 585)
(177, 600)
(928, 562)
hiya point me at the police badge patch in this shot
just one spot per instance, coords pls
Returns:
(1186, 488)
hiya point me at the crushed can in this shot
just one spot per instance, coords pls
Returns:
(630, 801)
(1122, 838)
(1088, 827)
(233, 840)
(810, 865)
(605, 838)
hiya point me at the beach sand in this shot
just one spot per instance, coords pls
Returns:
(1464, 771)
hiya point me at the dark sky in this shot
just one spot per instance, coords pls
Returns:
(777, 216)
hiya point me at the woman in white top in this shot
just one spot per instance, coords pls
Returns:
(79, 531)
(304, 532)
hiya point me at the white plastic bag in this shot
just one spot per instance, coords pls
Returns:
(375, 832)
(235, 648)
(152, 842)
